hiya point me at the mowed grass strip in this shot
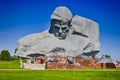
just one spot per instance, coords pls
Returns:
(9, 64)
(58, 75)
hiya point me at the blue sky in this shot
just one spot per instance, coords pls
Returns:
(19, 18)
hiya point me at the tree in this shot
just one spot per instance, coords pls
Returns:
(107, 56)
(5, 55)
(14, 57)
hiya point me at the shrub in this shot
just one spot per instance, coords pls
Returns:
(14, 57)
(5, 55)
(107, 56)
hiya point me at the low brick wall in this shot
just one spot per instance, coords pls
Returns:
(62, 66)
(55, 66)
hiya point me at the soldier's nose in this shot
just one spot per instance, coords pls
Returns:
(60, 30)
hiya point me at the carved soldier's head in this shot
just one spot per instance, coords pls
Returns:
(60, 22)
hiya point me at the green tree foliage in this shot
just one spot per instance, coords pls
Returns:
(14, 57)
(107, 56)
(5, 55)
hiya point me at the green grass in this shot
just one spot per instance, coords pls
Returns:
(9, 70)
(9, 64)
(58, 75)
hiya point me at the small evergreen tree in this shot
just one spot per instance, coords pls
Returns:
(107, 56)
(5, 55)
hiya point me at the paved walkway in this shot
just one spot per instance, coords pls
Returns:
(68, 69)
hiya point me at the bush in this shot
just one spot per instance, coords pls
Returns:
(14, 57)
(107, 56)
(5, 55)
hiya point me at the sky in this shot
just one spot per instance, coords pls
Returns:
(19, 18)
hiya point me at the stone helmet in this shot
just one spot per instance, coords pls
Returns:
(62, 13)
(60, 22)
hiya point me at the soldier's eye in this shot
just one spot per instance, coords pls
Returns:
(64, 28)
(57, 28)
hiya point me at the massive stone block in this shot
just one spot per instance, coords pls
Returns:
(88, 29)
(67, 36)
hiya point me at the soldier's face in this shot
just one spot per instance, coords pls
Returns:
(61, 28)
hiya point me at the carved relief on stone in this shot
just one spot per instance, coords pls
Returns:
(75, 35)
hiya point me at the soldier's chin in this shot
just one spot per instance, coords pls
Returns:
(61, 38)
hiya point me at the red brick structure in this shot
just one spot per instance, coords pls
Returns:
(108, 65)
(57, 62)
(118, 66)
(61, 63)
(40, 61)
(102, 65)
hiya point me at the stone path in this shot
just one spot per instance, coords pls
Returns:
(67, 69)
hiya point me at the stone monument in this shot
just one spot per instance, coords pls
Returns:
(67, 36)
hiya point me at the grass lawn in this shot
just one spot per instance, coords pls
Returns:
(10, 70)
(9, 64)
(58, 75)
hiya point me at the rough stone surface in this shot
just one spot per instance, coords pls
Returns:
(67, 36)
(62, 14)
(89, 29)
